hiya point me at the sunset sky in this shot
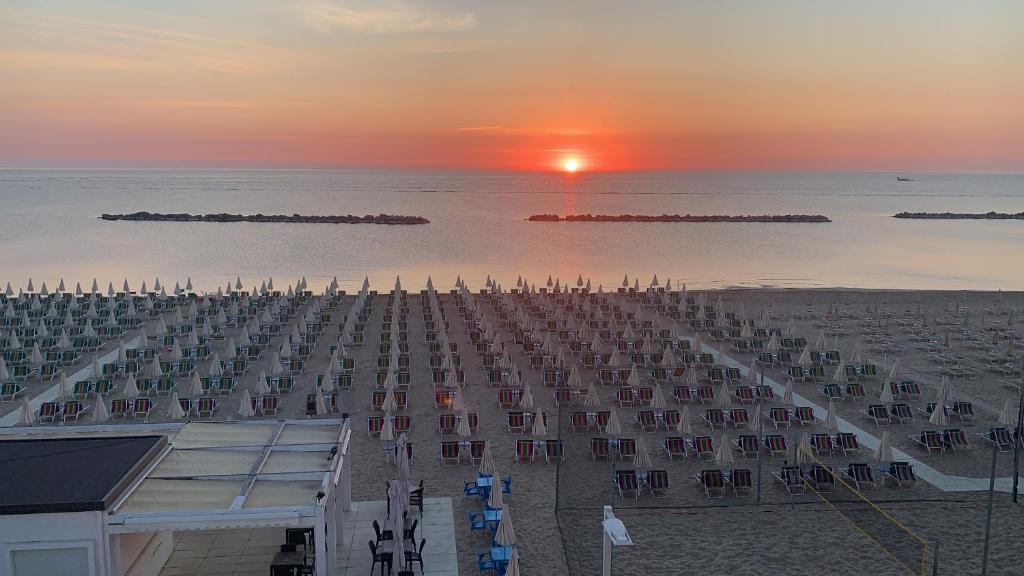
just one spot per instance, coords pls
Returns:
(689, 85)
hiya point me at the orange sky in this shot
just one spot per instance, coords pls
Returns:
(804, 85)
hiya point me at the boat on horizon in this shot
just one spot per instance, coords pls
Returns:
(904, 179)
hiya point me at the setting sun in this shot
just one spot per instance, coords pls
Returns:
(571, 165)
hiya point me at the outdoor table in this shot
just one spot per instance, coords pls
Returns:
(484, 481)
(287, 560)
(501, 553)
(492, 515)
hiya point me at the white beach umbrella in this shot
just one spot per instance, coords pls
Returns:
(723, 452)
(539, 427)
(884, 452)
(804, 453)
(100, 412)
(592, 399)
(463, 429)
(195, 386)
(942, 394)
(487, 461)
(886, 396)
(685, 426)
(613, 427)
(722, 396)
(787, 396)
(658, 401)
(26, 416)
(526, 398)
(505, 535)
(66, 389)
(245, 409)
(131, 388)
(643, 457)
(1007, 416)
(512, 568)
(321, 404)
(939, 417)
(387, 432)
(174, 411)
(262, 386)
(831, 418)
(494, 499)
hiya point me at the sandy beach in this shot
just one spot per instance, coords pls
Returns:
(685, 529)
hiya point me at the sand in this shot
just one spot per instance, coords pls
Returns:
(731, 536)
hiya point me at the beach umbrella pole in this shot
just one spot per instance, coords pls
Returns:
(988, 513)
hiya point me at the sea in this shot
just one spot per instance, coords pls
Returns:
(50, 229)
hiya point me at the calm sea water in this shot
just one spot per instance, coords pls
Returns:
(49, 228)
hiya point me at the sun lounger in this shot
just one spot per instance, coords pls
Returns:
(791, 479)
(682, 394)
(703, 447)
(118, 407)
(847, 442)
(855, 390)
(775, 444)
(902, 412)
(901, 473)
(524, 450)
(964, 411)
(72, 410)
(779, 417)
(554, 451)
(600, 449)
(446, 424)
(706, 394)
(804, 415)
(714, 417)
(647, 420)
(626, 449)
(877, 413)
(861, 475)
(822, 444)
(747, 445)
(670, 418)
(675, 447)
(955, 439)
(657, 483)
(713, 483)
(739, 480)
(833, 392)
(822, 478)
(930, 440)
(269, 404)
(1001, 437)
(627, 483)
(738, 417)
(450, 452)
(516, 422)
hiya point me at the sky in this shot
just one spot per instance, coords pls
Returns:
(910, 85)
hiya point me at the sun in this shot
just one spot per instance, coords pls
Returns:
(571, 165)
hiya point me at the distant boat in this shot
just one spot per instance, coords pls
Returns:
(904, 179)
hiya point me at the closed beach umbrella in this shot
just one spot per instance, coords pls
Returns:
(884, 452)
(463, 429)
(593, 399)
(26, 416)
(539, 428)
(195, 386)
(840, 374)
(526, 398)
(389, 403)
(805, 357)
(66, 388)
(804, 453)
(643, 457)
(100, 413)
(722, 395)
(684, 426)
(505, 535)
(896, 373)
(886, 396)
(755, 420)
(174, 411)
(1006, 417)
(262, 387)
(831, 419)
(387, 433)
(245, 408)
(512, 568)
(614, 427)
(321, 404)
(938, 416)
(942, 395)
(723, 453)
(487, 461)
(131, 388)
(658, 400)
(494, 499)
(787, 396)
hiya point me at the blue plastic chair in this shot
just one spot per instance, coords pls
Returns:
(476, 521)
(483, 559)
(506, 485)
(470, 488)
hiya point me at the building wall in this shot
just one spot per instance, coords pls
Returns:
(144, 554)
(53, 532)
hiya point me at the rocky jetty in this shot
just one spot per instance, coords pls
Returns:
(798, 218)
(390, 219)
(959, 216)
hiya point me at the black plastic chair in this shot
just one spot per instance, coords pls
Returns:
(416, 498)
(382, 534)
(415, 555)
(383, 557)
(410, 534)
